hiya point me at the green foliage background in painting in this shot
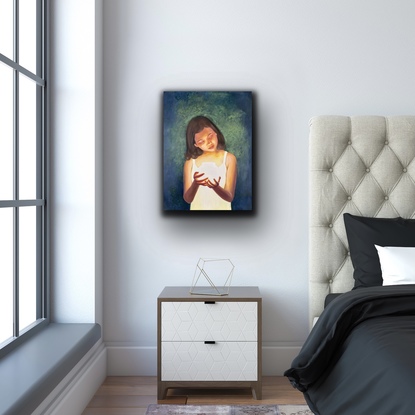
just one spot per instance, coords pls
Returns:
(232, 113)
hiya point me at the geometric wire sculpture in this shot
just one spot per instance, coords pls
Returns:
(216, 272)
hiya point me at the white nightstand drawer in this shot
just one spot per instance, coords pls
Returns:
(197, 361)
(199, 321)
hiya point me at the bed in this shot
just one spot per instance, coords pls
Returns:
(359, 357)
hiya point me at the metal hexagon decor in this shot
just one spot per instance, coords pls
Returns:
(212, 276)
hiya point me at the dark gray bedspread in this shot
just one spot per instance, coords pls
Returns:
(360, 357)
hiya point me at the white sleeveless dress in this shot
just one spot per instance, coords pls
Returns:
(206, 198)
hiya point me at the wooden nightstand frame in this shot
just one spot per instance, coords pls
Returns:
(236, 294)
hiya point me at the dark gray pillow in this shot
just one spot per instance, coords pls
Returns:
(363, 233)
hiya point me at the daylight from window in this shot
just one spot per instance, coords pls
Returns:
(19, 169)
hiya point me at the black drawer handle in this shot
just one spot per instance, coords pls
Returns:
(210, 342)
(210, 302)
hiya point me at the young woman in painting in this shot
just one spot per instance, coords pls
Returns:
(209, 174)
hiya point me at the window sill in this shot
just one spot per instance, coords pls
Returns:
(31, 371)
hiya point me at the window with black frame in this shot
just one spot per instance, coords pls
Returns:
(23, 305)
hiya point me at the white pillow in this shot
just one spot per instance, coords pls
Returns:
(397, 264)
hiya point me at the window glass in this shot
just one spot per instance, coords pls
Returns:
(23, 300)
(6, 132)
(6, 276)
(27, 34)
(27, 266)
(6, 28)
(27, 138)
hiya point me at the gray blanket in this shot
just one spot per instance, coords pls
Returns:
(360, 356)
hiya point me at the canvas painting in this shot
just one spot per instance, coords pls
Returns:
(207, 151)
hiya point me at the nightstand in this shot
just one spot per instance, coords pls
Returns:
(206, 341)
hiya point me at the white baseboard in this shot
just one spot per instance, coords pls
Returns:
(73, 393)
(130, 360)
(277, 358)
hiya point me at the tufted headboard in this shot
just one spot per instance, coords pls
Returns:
(362, 165)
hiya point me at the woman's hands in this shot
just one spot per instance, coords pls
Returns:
(191, 182)
(201, 180)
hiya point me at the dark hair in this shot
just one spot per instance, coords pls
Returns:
(196, 125)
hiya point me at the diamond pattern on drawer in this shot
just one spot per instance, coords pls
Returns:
(187, 361)
(197, 321)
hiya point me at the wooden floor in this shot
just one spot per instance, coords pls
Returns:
(123, 395)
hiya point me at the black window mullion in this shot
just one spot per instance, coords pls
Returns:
(16, 173)
(39, 164)
(45, 170)
(16, 272)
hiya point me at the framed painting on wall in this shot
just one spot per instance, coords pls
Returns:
(207, 151)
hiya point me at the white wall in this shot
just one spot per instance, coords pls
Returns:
(300, 58)
(75, 133)
(75, 136)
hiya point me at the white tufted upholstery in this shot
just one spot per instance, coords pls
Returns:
(361, 165)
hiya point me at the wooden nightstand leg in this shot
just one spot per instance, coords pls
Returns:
(161, 391)
(257, 390)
